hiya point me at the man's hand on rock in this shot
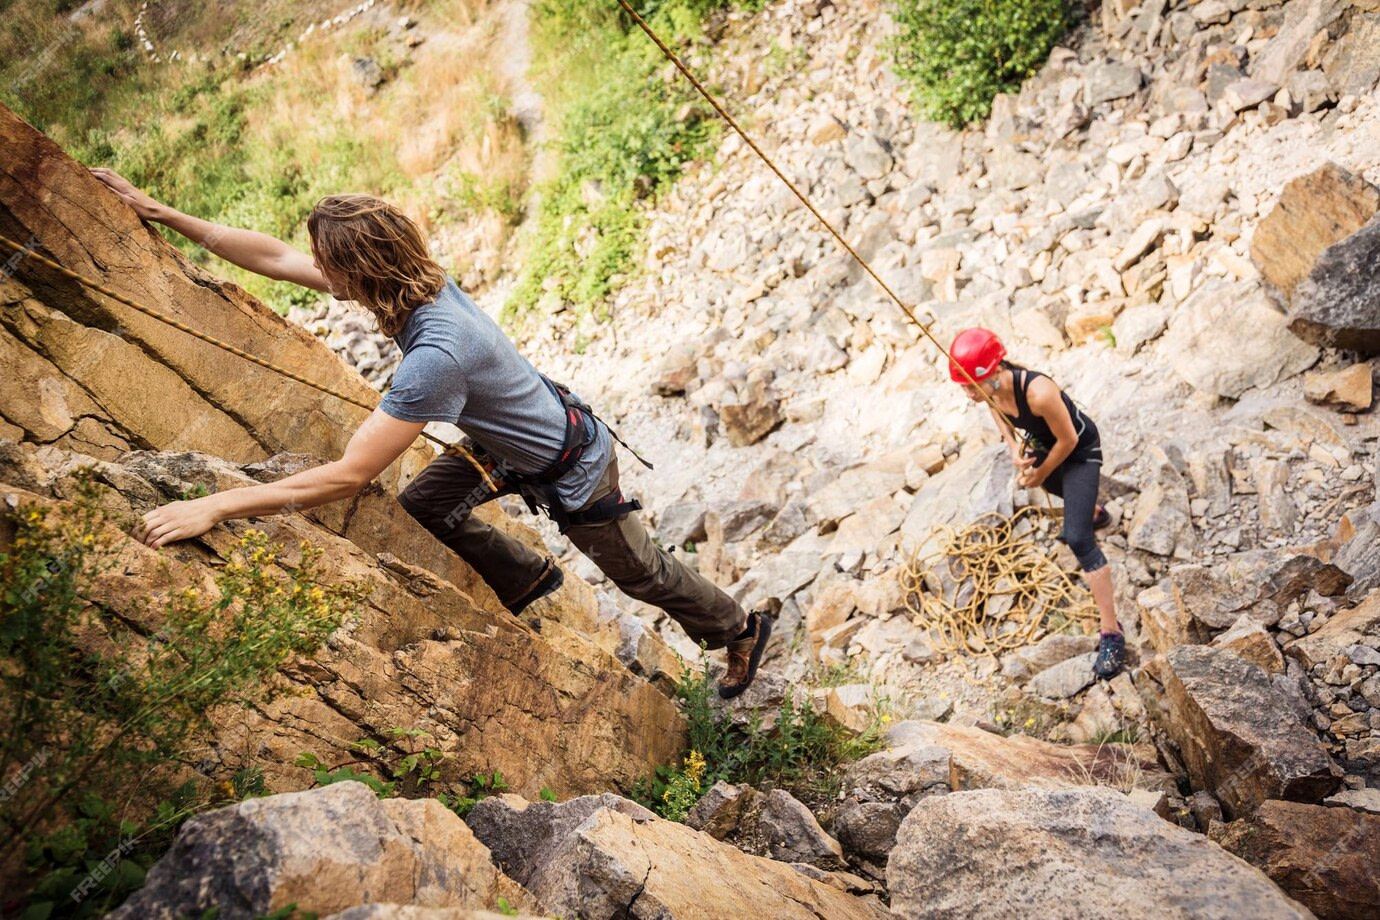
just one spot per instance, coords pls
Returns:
(174, 521)
(143, 205)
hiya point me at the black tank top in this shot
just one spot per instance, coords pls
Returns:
(1039, 436)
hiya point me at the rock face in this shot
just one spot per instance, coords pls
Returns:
(1265, 354)
(982, 760)
(1236, 733)
(1324, 857)
(1085, 853)
(1313, 212)
(325, 850)
(423, 654)
(1359, 625)
(101, 360)
(602, 857)
(1337, 304)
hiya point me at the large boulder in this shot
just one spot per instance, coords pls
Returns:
(324, 850)
(103, 360)
(882, 788)
(1235, 732)
(978, 483)
(1314, 211)
(1338, 304)
(1242, 315)
(1325, 857)
(979, 759)
(598, 859)
(1087, 853)
(554, 708)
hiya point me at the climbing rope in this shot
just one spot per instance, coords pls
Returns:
(824, 222)
(28, 252)
(987, 587)
(998, 554)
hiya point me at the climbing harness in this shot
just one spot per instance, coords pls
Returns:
(27, 251)
(988, 587)
(540, 488)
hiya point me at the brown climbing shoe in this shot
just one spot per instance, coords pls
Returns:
(744, 655)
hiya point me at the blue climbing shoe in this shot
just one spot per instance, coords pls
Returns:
(1111, 655)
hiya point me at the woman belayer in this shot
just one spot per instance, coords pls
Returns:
(1062, 453)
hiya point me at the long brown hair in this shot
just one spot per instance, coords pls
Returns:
(377, 253)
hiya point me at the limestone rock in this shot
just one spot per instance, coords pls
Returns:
(865, 154)
(978, 483)
(1352, 63)
(325, 850)
(1048, 652)
(1248, 640)
(719, 811)
(602, 861)
(1066, 679)
(1163, 523)
(793, 834)
(1314, 212)
(981, 760)
(209, 399)
(422, 653)
(1262, 350)
(681, 523)
(1088, 853)
(1107, 81)
(1336, 305)
(1324, 857)
(410, 912)
(1359, 625)
(880, 790)
(752, 418)
(1235, 732)
(1350, 388)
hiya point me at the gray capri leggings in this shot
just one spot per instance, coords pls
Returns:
(1075, 481)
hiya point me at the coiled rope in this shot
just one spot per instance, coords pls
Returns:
(988, 587)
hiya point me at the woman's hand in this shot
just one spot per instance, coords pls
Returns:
(144, 205)
(1028, 475)
(177, 521)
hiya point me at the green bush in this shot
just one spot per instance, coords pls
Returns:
(958, 54)
(625, 134)
(104, 709)
(800, 752)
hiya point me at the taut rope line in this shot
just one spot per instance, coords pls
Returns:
(28, 252)
(709, 97)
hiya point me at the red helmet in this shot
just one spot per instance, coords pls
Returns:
(977, 351)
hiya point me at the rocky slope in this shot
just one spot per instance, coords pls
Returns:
(1176, 218)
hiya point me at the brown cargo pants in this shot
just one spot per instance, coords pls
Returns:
(443, 495)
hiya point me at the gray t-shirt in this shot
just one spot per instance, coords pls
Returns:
(459, 367)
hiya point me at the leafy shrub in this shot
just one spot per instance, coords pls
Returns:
(801, 751)
(101, 703)
(958, 54)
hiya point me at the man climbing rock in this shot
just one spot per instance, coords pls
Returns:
(525, 434)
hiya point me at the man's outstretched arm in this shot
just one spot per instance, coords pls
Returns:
(377, 443)
(253, 251)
